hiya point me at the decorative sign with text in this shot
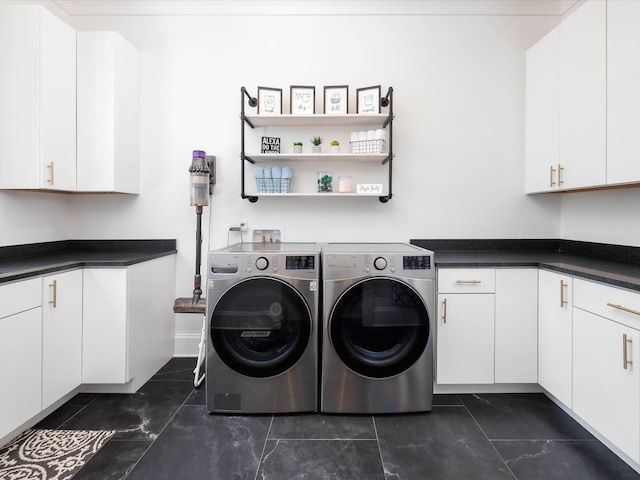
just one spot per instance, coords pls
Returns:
(270, 145)
(369, 188)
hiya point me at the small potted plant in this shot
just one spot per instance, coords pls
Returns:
(297, 147)
(316, 141)
(324, 182)
(335, 146)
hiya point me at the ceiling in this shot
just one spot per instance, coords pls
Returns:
(309, 7)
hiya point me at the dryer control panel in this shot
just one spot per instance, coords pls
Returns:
(349, 265)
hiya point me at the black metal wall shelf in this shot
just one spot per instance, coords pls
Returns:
(382, 120)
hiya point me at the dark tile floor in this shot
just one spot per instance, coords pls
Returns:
(164, 432)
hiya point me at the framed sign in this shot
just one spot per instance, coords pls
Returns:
(336, 99)
(368, 99)
(270, 145)
(269, 101)
(303, 100)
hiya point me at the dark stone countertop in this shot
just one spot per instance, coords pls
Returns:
(615, 265)
(19, 262)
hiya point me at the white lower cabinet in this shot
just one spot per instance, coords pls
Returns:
(61, 335)
(128, 325)
(465, 338)
(555, 334)
(516, 326)
(465, 327)
(487, 326)
(20, 353)
(606, 384)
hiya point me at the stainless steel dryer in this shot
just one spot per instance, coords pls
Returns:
(378, 309)
(262, 327)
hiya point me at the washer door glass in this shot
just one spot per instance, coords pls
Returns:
(379, 327)
(260, 327)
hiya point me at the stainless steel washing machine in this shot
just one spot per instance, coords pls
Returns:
(378, 309)
(262, 328)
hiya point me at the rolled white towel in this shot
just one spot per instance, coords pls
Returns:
(354, 136)
(362, 135)
(287, 172)
(371, 134)
(381, 134)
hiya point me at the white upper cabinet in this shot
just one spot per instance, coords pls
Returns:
(108, 113)
(38, 99)
(542, 114)
(583, 79)
(623, 94)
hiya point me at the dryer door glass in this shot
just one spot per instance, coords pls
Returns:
(261, 327)
(379, 327)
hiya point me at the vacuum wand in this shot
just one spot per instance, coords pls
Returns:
(197, 281)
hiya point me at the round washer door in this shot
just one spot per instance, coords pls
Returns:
(379, 327)
(261, 327)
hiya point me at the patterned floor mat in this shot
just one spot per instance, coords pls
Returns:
(50, 454)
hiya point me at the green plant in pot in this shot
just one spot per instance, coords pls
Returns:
(335, 146)
(297, 147)
(324, 182)
(316, 141)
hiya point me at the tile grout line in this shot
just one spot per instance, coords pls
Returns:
(488, 439)
(159, 433)
(375, 429)
(264, 448)
(61, 426)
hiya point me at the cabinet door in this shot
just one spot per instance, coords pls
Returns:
(20, 368)
(61, 335)
(465, 339)
(606, 384)
(516, 326)
(108, 113)
(623, 95)
(555, 334)
(38, 98)
(104, 321)
(583, 97)
(542, 114)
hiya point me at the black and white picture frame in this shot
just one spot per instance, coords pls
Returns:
(368, 99)
(303, 100)
(269, 101)
(336, 99)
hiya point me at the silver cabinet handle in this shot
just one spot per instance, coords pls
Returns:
(469, 281)
(444, 311)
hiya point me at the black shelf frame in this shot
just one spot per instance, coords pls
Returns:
(247, 100)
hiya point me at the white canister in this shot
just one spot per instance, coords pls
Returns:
(345, 184)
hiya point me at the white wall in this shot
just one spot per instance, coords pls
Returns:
(33, 217)
(459, 101)
(607, 216)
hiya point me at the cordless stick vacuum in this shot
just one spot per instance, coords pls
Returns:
(202, 181)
